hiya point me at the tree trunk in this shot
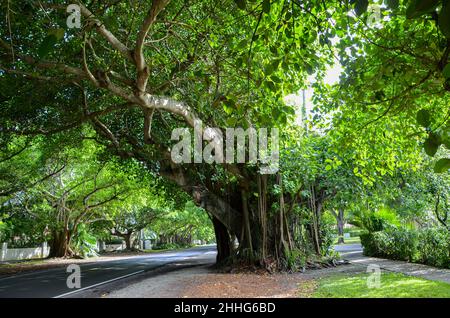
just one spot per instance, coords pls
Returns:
(264, 236)
(128, 241)
(340, 226)
(247, 233)
(59, 245)
(224, 244)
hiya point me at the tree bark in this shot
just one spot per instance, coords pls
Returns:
(59, 245)
(128, 241)
(224, 244)
(340, 222)
(340, 226)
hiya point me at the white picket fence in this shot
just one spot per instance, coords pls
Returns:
(14, 254)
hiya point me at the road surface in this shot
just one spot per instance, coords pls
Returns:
(349, 250)
(53, 282)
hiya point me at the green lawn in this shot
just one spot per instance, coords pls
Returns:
(392, 286)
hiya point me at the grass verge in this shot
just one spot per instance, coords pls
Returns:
(392, 285)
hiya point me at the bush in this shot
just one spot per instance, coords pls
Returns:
(434, 247)
(327, 236)
(374, 223)
(369, 243)
(402, 244)
(427, 246)
(295, 260)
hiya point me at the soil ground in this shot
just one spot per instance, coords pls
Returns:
(205, 282)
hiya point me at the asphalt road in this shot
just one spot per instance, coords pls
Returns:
(53, 282)
(348, 248)
(349, 251)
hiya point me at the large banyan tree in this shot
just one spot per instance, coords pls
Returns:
(127, 73)
(136, 70)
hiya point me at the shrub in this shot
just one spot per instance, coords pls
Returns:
(427, 246)
(374, 223)
(434, 247)
(402, 244)
(295, 260)
(327, 237)
(369, 244)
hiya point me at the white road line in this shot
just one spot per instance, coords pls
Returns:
(95, 285)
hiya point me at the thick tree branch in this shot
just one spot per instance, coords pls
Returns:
(111, 38)
(141, 66)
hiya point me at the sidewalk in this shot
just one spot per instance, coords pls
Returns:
(355, 257)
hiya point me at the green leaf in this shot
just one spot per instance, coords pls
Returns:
(241, 4)
(442, 165)
(361, 7)
(270, 85)
(355, 170)
(59, 33)
(432, 144)
(276, 113)
(242, 44)
(47, 45)
(444, 20)
(423, 118)
(269, 69)
(446, 71)
(239, 62)
(272, 67)
(328, 168)
(289, 110)
(276, 79)
(444, 134)
(446, 141)
(228, 110)
(231, 121)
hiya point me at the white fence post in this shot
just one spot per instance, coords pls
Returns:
(101, 246)
(3, 252)
(43, 249)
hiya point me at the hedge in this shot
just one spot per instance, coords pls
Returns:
(426, 246)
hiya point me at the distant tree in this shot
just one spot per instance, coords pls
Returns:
(127, 223)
